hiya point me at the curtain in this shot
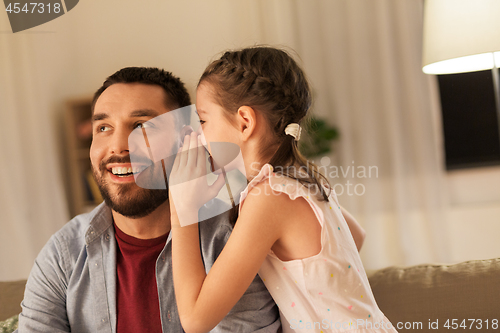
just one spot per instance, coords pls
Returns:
(32, 204)
(364, 61)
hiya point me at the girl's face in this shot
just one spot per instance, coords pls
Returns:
(214, 122)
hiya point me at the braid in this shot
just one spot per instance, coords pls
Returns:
(270, 81)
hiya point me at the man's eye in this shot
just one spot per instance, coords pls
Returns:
(103, 128)
(202, 121)
(143, 125)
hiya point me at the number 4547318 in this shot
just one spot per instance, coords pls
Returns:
(471, 323)
(33, 8)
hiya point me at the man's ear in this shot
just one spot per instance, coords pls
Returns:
(246, 121)
(186, 130)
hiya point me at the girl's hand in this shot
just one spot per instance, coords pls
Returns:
(188, 185)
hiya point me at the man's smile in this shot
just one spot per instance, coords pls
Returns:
(123, 172)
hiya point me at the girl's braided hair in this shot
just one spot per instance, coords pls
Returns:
(271, 82)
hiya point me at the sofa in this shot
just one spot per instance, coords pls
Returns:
(422, 298)
(440, 298)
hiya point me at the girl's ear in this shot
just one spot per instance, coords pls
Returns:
(246, 121)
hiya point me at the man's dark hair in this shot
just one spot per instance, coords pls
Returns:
(176, 93)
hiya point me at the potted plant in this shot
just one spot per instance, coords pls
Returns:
(317, 138)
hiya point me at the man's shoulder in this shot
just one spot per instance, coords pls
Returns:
(69, 242)
(77, 227)
(215, 229)
(214, 220)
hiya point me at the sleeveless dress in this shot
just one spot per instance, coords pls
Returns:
(327, 292)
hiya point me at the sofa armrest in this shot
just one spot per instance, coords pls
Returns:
(423, 293)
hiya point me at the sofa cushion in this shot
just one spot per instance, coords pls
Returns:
(426, 293)
(11, 295)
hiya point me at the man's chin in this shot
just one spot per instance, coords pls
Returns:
(131, 200)
(138, 206)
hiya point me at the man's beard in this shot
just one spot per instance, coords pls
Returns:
(142, 204)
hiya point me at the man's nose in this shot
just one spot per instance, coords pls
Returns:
(119, 142)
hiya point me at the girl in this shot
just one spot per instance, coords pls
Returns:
(290, 229)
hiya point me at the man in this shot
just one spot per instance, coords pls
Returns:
(110, 270)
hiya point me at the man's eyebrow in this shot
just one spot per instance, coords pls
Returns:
(99, 116)
(198, 111)
(135, 114)
(144, 113)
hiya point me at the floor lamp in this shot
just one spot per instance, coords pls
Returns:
(462, 36)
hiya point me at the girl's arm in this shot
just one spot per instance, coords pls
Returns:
(357, 232)
(204, 300)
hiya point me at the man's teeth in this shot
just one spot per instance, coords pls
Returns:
(125, 170)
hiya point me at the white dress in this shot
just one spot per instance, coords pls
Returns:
(328, 292)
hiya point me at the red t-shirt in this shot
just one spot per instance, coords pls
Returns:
(137, 305)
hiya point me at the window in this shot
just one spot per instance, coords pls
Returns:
(470, 123)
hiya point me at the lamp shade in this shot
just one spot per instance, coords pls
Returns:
(461, 36)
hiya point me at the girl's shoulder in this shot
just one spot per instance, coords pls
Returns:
(274, 187)
(267, 181)
(263, 207)
(281, 204)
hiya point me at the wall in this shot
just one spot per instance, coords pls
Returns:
(474, 213)
(72, 55)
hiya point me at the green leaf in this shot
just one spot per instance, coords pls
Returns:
(317, 137)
